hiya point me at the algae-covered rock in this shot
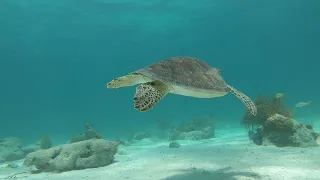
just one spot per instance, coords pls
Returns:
(278, 130)
(279, 123)
(79, 155)
(10, 149)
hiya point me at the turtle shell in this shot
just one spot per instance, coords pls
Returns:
(187, 72)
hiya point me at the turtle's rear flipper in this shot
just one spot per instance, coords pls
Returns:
(245, 99)
(149, 94)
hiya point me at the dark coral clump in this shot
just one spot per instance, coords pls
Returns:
(282, 131)
(90, 133)
(266, 107)
(45, 142)
(276, 126)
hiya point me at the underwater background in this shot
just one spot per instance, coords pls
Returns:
(57, 56)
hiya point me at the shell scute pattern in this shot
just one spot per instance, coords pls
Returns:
(188, 72)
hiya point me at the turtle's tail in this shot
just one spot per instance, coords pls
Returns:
(245, 99)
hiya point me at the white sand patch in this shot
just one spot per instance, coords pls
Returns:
(229, 157)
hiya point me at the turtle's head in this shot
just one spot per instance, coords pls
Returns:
(117, 83)
(128, 80)
(113, 84)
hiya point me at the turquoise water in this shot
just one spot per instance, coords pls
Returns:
(57, 56)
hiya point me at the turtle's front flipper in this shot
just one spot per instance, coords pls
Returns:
(245, 99)
(149, 94)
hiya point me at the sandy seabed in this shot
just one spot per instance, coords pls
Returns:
(229, 157)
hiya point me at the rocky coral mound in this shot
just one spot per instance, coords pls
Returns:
(282, 131)
(79, 155)
(195, 130)
(12, 149)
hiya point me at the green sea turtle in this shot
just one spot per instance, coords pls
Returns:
(185, 76)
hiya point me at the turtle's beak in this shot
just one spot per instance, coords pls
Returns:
(113, 84)
(110, 85)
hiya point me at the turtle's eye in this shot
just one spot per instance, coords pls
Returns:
(219, 71)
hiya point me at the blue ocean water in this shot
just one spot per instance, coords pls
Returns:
(57, 56)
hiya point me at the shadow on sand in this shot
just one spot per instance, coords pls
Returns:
(220, 174)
